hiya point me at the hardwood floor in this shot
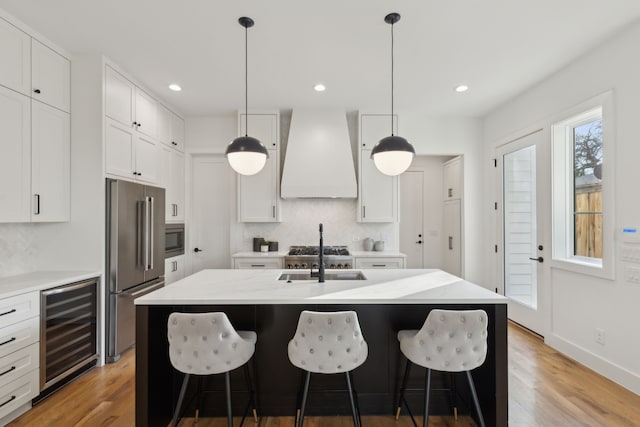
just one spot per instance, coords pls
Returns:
(545, 389)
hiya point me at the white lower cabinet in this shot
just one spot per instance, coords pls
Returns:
(174, 269)
(379, 262)
(19, 354)
(258, 263)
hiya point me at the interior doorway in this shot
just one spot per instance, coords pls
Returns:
(209, 231)
(412, 217)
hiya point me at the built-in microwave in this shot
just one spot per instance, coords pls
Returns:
(174, 240)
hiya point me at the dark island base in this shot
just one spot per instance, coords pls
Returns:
(278, 382)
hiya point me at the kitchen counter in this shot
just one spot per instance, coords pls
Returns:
(387, 301)
(40, 280)
(407, 286)
(364, 254)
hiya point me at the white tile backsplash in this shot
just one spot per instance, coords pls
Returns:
(17, 249)
(299, 226)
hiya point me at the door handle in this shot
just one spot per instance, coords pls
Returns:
(196, 250)
(539, 259)
(419, 242)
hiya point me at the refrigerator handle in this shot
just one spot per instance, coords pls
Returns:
(151, 233)
(146, 233)
(141, 234)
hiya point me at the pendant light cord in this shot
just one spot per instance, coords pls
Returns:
(246, 82)
(391, 79)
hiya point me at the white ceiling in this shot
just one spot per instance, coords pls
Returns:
(498, 47)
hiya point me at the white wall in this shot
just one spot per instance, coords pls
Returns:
(579, 304)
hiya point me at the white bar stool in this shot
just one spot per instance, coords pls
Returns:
(449, 341)
(328, 343)
(207, 344)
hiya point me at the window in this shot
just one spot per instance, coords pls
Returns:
(582, 201)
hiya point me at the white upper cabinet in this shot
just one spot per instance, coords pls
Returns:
(452, 178)
(258, 195)
(172, 179)
(50, 163)
(177, 132)
(120, 94)
(134, 121)
(164, 124)
(378, 193)
(170, 128)
(15, 161)
(15, 57)
(146, 117)
(50, 77)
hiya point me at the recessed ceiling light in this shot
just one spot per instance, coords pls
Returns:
(175, 87)
(462, 88)
(319, 87)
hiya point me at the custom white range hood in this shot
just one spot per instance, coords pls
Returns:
(319, 162)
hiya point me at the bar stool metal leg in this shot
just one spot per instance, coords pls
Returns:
(252, 392)
(183, 389)
(227, 383)
(355, 395)
(427, 392)
(304, 398)
(407, 368)
(356, 421)
(476, 402)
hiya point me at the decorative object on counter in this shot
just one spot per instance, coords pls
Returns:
(257, 241)
(264, 246)
(393, 154)
(368, 244)
(246, 155)
(379, 246)
(273, 246)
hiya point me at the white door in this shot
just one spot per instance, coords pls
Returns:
(210, 213)
(412, 218)
(521, 186)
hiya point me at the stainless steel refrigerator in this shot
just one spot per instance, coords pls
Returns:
(135, 256)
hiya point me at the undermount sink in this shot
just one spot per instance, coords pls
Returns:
(342, 275)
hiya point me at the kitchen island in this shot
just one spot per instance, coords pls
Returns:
(386, 301)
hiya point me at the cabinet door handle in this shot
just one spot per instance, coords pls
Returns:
(135, 123)
(198, 250)
(450, 242)
(8, 401)
(13, 368)
(8, 341)
(364, 212)
(273, 208)
(174, 265)
(13, 310)
(450, 192)
(36, 90)
(36, 200)
(419, 242)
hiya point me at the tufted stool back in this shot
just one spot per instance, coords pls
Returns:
(451, 341)
(328, 343)
(207, 343)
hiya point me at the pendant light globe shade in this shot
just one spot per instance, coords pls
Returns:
(246, 155)
(393, 155)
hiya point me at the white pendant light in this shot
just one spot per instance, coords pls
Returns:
(246, 155)
(393, 154)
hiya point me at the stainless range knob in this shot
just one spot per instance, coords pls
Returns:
(289, 265)
(297, 266)
(347, 266)
(332, 266)
(314, 265)
(304, 265)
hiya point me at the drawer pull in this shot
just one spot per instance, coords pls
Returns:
(13, 368)
(7, 342)
(8, 401)
(379, 265)
(257, 265)
(13, 310)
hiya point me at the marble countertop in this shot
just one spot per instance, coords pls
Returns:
(259, 254)
(382, 254)
(382, 286)
(40, 280)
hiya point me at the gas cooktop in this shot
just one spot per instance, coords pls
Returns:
(315, 250)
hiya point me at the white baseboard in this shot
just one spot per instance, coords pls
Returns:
(604, 367)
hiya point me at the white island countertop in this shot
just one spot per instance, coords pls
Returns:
(392, 286)
(40, 280)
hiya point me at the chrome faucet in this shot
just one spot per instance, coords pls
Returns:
(320, 273)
